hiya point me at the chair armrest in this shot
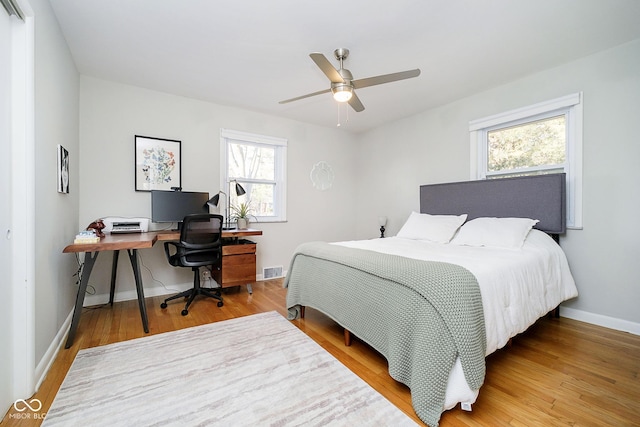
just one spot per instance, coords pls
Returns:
(167, 249)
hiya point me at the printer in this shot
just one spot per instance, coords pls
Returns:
(119, 225)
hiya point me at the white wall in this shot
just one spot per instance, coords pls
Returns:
(56, 122)
(433, 147)
(111, 114)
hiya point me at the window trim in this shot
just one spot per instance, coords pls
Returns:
(571, 106)
(280, 178)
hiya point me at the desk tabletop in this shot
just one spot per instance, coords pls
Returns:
(175, 235)
(116, 242)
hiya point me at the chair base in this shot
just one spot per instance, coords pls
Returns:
(192, 293)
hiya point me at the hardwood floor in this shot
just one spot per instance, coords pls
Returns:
(559, 372)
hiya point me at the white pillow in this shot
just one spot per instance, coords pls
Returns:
(436, 228)
(495, 232)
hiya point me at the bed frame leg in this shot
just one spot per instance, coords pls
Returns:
(302, 311)
(347, 337)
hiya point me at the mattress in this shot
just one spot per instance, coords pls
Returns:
(517, 287)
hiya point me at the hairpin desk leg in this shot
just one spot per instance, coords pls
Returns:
(133, 257)
(114, 270)
(89, 260)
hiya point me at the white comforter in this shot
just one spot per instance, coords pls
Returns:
(517, 286)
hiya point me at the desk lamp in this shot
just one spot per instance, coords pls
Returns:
(216, 199)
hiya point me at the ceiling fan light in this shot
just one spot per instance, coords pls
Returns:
(342, 92)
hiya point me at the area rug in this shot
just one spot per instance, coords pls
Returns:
(257, 370)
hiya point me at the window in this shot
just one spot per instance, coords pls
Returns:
(259, 164)
(542, 138)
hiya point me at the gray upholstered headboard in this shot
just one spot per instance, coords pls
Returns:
(540, 197)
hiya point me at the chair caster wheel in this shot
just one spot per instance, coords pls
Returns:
(163, 305)
(184, 312)
(220, 303)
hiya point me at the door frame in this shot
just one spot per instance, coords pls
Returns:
(22, 201)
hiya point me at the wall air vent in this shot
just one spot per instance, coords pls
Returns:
(272, 272)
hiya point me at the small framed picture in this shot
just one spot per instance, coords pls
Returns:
(63, 170)
(157, 163)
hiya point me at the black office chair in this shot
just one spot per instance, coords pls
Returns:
(200, 245)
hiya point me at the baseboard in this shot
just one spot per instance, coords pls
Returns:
(50, 355)
(99, 299)
(601, 320)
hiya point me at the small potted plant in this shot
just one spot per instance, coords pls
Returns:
(241, 213)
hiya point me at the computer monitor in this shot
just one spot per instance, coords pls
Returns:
(173, 206)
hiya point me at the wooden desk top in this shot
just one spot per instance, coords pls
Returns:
(175, 235)
(116, 242)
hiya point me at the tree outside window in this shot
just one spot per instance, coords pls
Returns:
(540, 144)
(258, 163)
(253, 167)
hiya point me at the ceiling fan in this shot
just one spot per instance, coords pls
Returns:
(342, 83)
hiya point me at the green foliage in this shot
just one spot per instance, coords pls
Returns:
(241, 210)
(533, 144)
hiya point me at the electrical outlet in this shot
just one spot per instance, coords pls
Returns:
(205, 275)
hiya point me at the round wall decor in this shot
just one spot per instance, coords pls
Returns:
(322, 176)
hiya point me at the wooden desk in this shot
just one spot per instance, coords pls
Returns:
(131, 243)
(111, 242)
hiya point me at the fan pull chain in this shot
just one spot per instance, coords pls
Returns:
(346, 106)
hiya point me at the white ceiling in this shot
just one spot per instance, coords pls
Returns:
(254, 53)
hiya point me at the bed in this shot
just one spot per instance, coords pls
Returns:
(435, 303)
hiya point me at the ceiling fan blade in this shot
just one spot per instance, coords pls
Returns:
(385, 78)
(305, 96)
(323, 63)
(355, 103)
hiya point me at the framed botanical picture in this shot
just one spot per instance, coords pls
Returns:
(157, 163)
(63, 170)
